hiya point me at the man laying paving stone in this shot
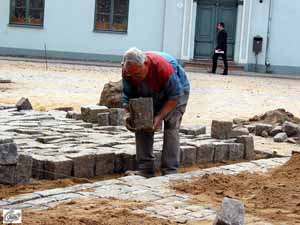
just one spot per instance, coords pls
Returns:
(159, 76)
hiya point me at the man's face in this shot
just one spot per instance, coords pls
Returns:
(135, 72)
(219, 27)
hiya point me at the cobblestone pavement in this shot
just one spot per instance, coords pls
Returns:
(161, 200)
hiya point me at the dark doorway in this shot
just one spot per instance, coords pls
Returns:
(209, 13)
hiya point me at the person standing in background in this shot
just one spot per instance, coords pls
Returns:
(221, 49)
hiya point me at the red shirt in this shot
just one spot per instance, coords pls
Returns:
(160, 71)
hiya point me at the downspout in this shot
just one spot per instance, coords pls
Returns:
(164, 26)
(267, 59)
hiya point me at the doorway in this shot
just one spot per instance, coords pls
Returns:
(209, 13)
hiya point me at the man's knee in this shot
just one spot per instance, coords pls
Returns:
(173, 123)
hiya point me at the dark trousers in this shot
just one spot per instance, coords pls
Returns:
(215, 62)
(170, 158)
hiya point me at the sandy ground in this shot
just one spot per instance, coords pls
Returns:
(96, 212)
(274, 196)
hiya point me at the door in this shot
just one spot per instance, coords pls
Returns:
(209, 13)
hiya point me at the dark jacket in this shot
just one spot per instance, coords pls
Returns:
(222, 40)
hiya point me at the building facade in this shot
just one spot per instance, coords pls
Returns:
(104, 29)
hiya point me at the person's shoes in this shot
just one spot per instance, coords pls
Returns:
(139, 173)
(225, 73)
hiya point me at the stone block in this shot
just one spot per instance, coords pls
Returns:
(6, 140)
(240, 121)
(103, 119)
(276, 130)
(221, 152)
(90, 113)
(47, 139)
(7, 174)
(23, 171)
(104, 162)
(125, 160)
(251, 128)
(221, 129)
(118, 165)
(232, 212)
(291, 129)
(141, 110)
(116, 117)
(280, 137)
(8, 154)
(83, 164)
(19, 173)
(236, 151)
(260, 128)
(188, 155)
(24, 104)
(193, 130)
(38, 166)
(73, 115)
(58, 168)
(248, 143)
(205, 153)
(238, 131)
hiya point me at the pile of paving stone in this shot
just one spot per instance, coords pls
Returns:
(280, 132)
(61, 147)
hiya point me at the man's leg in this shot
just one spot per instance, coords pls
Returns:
(224, 57)
(171, 147)
(215, 62)
(144, 153)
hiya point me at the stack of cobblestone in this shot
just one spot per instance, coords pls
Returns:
(14, 168)
(61, 147)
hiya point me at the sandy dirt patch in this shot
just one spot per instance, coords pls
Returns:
(96, 212)
(274, 196)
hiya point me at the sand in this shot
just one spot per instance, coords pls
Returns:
(274, 196)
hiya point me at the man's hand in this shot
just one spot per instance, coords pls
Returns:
(157, 122)
(128, 124)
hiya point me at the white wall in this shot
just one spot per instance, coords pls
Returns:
(285, 33)
(259, 26)
(69, 24)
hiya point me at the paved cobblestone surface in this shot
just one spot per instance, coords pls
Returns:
(163, 202)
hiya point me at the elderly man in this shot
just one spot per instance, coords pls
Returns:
(157, 75)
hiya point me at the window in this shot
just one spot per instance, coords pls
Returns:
(111, 15)
(27, 12)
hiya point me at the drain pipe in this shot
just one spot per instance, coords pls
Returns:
(267, 59)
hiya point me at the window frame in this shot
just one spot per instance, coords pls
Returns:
(111, 15)
(27, 12)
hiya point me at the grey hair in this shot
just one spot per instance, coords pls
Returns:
(134, 55)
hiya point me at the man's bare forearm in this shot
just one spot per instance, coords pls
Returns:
(168, 107)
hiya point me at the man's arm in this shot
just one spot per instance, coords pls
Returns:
(126, 93)
(222, 41)
(167, 108)
(173, 90)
